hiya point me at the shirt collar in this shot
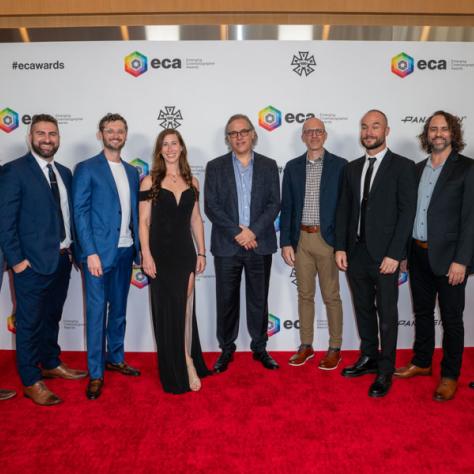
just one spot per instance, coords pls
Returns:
(429, 164)
(41, 161)
(317, 160)
(237, 162)
(379, 156)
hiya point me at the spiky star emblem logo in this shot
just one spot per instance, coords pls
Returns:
(303, 63)
(170, 118)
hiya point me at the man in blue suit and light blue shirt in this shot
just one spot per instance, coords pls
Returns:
(36, 237)
(311, 188)
(105, 196)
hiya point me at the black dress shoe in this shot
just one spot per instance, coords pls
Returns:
(94, 389)
(266, 359)
(381, 386)
(223, 361)
(471, 385)
(365, 365)
(123, 368)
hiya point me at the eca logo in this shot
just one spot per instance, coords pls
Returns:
(9, 120)
(142, 167)
(273, 325)
(139, 279)
(136, 63)
(271, 118)
(403, 64)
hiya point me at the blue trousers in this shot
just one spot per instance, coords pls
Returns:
(39, 306)
(106, 302)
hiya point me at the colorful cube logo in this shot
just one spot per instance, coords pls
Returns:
(402, 278)
(402, 65)
(8, 120)
(141, 166)
(269, 118)
(139, 279)
(136, 64)
(273, 325)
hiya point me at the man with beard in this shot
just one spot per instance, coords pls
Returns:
(36, 237)
(105, 196)
(373, 223)
(442, 250)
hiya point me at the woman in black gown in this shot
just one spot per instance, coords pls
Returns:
(169, 219)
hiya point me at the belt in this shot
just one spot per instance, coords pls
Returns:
(65, 251)
(421, 243)
(311, 229)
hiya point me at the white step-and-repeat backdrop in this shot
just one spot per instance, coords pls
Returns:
(195, 87)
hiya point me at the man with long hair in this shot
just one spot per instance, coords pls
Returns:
(442, 249)
(242, 200)
(105, 196)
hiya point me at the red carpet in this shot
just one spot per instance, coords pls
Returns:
(246, 420)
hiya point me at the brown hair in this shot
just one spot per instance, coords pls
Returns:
(454, 125)
(43, 118)
(111, 118)
(158, 169)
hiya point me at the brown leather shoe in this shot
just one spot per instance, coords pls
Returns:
(62, 371)
(94, 389)
(411, 370)
(304, 354)
(6, 394)
(331, 360)
(41, 395)
(445, 390)
(123, 368)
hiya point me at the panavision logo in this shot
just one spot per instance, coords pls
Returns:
(9, 120)
(403, 64)
(137, 63)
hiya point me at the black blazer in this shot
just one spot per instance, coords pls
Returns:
(221, 204)
(391, 208)
(450, 218)
(293, 194)
(29, 223)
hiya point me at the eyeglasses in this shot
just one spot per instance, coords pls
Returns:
(314, 131)
(241, 133)
(110, 131)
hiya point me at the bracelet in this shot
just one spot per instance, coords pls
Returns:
(201, 255)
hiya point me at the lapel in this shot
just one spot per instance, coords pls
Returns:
(300, 169)
(419, 170)
(383, 167)
(448, 168)
(229, 177)
(327, 171)
(131, 183)
(359, 165)
(40, 178)
(257, 183)
(106, 172)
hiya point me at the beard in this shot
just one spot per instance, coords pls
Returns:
(113, 147)
(43, 153)
(372, 146)
(439, 146)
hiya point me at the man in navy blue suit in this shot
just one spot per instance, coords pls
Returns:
(311, 188)
(4, 393)
(242, 200)
(105, 196)
(36, 237)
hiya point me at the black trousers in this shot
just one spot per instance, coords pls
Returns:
(257, 279)
(425, 286)
(374, 295)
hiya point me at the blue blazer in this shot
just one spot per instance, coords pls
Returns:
(293, 194)
(221, 205)
(97, 210)
(29, 223)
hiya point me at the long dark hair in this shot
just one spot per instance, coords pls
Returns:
(158, 169)
(454, 125)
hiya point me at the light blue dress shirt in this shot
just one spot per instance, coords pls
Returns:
(425, 191)
(243, 181)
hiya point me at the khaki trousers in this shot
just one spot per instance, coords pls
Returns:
(314, 257)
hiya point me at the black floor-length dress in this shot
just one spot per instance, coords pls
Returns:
(173, 251)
